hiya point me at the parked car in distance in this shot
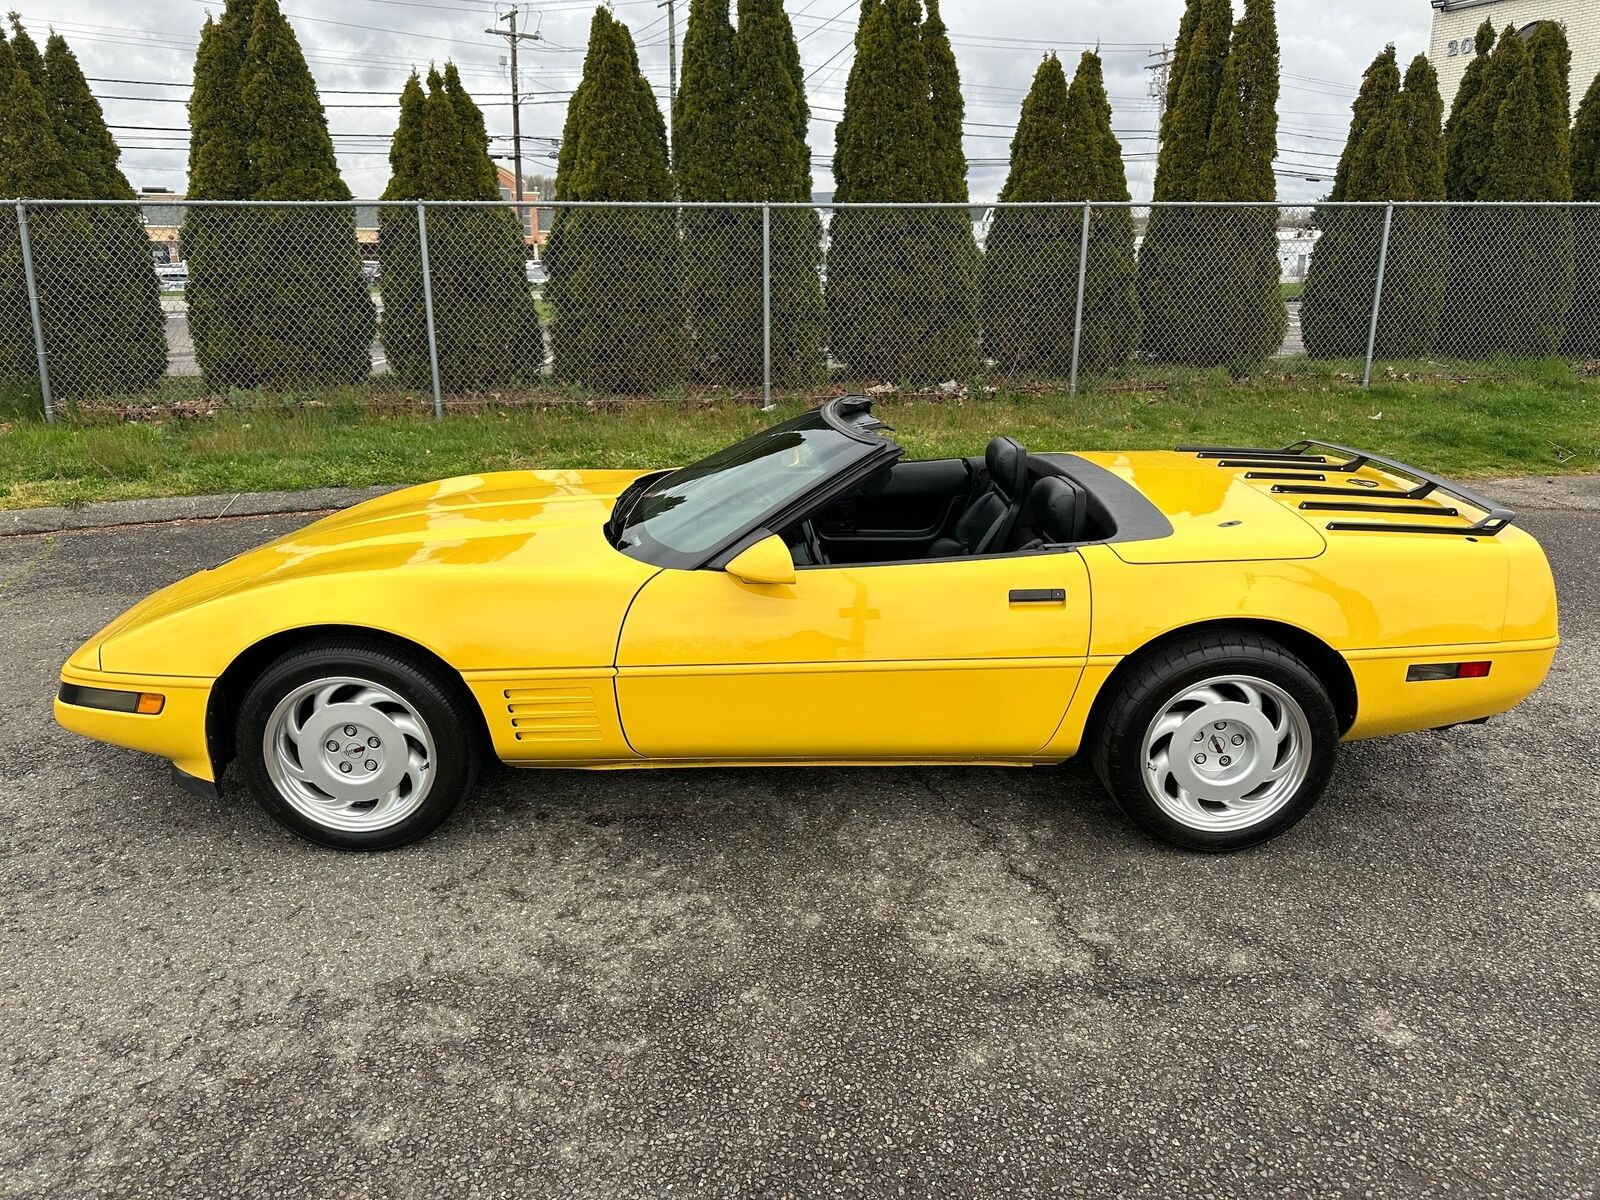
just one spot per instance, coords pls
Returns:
(537, 275)
(172, 277)
(1206, 624)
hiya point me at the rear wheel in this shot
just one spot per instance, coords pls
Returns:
(355, 745)
(1218, 741)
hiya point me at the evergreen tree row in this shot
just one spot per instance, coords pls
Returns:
(99, 300)
(486, 330)
(902, 287)
(276, 296)
(614, 284)
(1393, 152)
(739, 134)
(1509, 139)
(1063, 150)
(1208, 278)
(1582, 338)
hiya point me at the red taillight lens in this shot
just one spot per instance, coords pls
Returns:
(1420, 672)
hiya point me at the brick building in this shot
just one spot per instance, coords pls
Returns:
(1456, 21)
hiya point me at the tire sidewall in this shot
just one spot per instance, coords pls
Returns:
(454, 766)
(1123, 756)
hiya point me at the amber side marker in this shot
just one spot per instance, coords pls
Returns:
(112, 700)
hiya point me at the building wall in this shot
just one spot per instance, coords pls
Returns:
(1456, 21)
(507, 179)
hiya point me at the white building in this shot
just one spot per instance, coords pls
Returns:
(1456, 21)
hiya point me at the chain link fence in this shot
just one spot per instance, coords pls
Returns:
(158, 305)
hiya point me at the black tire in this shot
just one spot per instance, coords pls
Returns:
(439, 699)
(1117, 745)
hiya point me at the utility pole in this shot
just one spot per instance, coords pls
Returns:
(672, 51)
(1160, 74)
(513, 37)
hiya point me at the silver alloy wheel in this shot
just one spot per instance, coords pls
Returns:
(349, 754)
(1226, 753)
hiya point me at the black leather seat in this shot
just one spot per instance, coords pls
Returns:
(992, 511)
(1054, 515)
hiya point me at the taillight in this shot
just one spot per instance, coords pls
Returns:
(1419, 672)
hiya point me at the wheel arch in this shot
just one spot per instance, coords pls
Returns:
(228, 692)
(1325, 662)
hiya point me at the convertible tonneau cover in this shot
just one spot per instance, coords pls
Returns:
(1324, 477)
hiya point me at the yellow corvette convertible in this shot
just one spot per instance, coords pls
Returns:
(1207, 624)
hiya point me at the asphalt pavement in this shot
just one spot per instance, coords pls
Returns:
(879, 982)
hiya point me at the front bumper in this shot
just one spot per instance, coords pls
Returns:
(177, 733)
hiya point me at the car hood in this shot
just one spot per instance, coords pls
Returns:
(544, 521)
(1216, 515)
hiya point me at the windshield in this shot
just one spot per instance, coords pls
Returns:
(681, 517)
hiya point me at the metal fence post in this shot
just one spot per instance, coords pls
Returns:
(33, 309)
(427, 309)
(1077, 317)
(766, 307)
(1377, 294)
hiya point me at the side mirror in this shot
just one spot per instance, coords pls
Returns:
(766, 562)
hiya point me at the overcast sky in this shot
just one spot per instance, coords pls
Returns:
(140, 58)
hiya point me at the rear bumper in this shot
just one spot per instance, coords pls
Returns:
(177, 733)
(1387, 703)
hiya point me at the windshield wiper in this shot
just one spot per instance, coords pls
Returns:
(626, 499)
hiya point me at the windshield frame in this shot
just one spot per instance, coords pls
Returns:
(849, 416)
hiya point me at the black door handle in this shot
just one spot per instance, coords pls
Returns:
(1038, 595)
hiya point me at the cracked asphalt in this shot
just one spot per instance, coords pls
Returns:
(794, 982)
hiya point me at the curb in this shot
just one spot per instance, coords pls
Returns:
(110, 513)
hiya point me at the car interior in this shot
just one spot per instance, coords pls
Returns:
(1007, 502)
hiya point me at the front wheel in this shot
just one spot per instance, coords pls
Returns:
(355, 745)
(1218, 741)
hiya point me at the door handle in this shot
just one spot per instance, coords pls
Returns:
(1038, 595)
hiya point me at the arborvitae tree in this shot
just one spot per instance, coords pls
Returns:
(1246, 318)
(1469, 134)
(486, 330)
(1175, 257)
(949, 109)
(276, 296)
(1063, 150)
(1583, 322)
(703, 113)
(405, 335)
(1413, 283)
(99, 303)
(115, 339)
(1533, 161)
(771, 161)
(32, 163)
(613, 273)
(1336, 310)
(1473, 269)
(902, 283)
(715, 262)
(1511, 268)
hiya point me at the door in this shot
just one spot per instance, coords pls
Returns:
(954, 658)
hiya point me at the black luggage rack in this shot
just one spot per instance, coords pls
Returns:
(1304, 473)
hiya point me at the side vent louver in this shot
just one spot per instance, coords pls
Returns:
(563, 713)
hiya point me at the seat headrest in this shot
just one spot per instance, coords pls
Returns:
(1007, 463)
(1052, 510)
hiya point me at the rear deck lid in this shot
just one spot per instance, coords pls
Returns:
(1216, 515)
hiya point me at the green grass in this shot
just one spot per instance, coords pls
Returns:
(1290, 289)
(1485, 421)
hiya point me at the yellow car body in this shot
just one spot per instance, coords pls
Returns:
(579, 655)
